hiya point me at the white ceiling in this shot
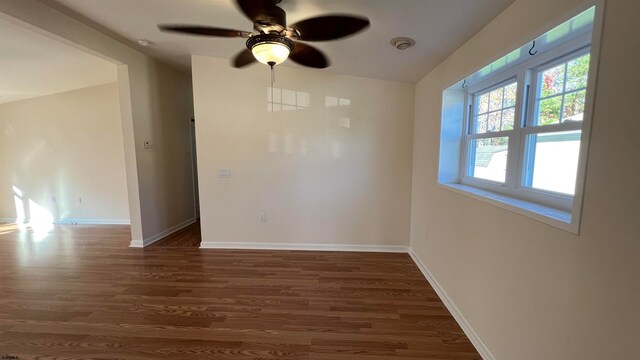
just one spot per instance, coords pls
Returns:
(32, 65)
(438, 26)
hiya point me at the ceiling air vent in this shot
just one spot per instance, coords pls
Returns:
(402, 43)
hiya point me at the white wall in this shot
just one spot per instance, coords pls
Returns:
(155, 105)
(319, 179)
(532, 291)
(67, 145)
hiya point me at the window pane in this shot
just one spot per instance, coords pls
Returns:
(483, 104)
(481, 124)
(549, 111)
(551, 81)
(490, 107)
(558, 102)
(489, 158)
(577, 73)
(508, 117)
(552, 161)
(495, 100)
(494, 121)
(574, 106)
(510, 95)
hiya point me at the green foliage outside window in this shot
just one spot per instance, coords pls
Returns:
(553, 90)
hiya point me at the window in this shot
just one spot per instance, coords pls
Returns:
(545, 139)
(551, 157)
(513, 133)
(494, 114)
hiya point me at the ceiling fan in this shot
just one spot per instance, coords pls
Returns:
(272, 41)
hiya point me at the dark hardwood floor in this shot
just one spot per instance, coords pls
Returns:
(79, 292)
(187, 237)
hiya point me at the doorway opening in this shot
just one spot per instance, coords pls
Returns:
(62, 156)
(194, 167)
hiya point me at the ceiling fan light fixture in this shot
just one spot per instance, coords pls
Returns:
(270, 48)
(268, 52)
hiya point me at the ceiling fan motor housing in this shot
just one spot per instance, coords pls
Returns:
(270, 39)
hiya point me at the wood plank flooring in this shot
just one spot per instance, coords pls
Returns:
(187, 237)
(79, 292)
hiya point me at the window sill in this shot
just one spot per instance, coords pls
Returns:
(550, 216)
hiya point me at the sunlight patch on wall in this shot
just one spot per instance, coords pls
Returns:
(40, 219)
(28, 212)
(17, 198)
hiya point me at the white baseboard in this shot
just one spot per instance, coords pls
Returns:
(307, 247)
(161, 235)
(473, 336)
(68, 221)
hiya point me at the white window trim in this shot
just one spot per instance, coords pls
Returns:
(469, 114)
(525, 75)
(527, 201)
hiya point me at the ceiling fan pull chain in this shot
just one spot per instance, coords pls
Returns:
(273, 75)
(273, 79)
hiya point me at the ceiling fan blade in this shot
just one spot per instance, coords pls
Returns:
(263, 12)
(309, 56)
(204, 30)
(244, 58)
(330, 27)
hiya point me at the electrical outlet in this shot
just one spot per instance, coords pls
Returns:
(263, 217)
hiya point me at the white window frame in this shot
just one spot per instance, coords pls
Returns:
(454, 124)
(513, 135)
(554, 199)
(525, 75)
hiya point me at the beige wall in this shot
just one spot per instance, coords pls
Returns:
(165, 175)
(68, 145)
(155, 105)
(319, 179)
(532, 291)
(5, 183)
